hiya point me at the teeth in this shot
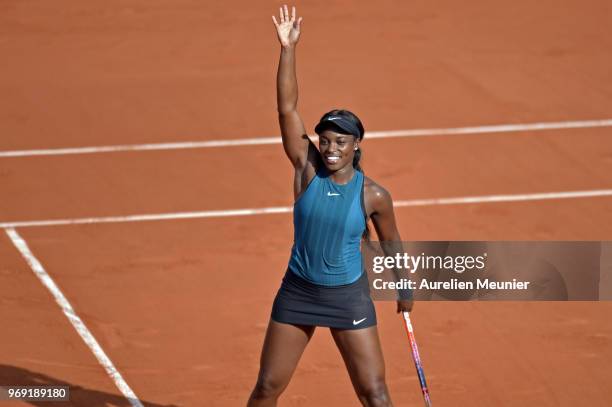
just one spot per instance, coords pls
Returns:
(333, 158)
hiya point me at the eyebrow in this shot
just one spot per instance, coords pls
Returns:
(341, 137)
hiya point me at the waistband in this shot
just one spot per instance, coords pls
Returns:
(293, 279)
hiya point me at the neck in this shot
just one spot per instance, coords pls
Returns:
(342, 175)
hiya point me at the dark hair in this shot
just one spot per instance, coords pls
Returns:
(357, 158)
(353, 118)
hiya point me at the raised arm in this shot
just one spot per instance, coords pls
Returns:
(295, 139)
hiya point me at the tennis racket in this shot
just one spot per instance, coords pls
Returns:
(417, 359)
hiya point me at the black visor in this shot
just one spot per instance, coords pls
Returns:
(340, 122)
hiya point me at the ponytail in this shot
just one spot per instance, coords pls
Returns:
(356, 160)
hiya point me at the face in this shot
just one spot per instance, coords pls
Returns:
(337, 150)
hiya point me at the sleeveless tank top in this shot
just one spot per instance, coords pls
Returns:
(328, 220)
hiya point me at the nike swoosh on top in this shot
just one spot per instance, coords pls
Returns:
(332, 193)
(360, 321)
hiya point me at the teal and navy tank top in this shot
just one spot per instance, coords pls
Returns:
(328, 220)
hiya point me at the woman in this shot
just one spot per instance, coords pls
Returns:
(325, 284)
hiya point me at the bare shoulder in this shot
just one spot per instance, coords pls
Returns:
(375, 190)
(376, 196)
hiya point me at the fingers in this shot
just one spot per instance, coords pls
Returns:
(284, 17)
(404, 306)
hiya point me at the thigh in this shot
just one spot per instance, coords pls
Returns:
(282, 349)
(362, 354)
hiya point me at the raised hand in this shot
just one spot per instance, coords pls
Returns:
(288, 29)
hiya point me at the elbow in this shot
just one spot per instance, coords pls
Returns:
(286, 109)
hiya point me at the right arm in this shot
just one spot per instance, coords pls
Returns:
(299, 149)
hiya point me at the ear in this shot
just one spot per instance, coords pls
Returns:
(356, 147)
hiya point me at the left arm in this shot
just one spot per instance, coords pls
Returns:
(381, 212)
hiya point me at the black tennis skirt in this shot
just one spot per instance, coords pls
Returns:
(300, 302)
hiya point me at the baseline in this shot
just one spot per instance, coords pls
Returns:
(287, 209)
(499, 128)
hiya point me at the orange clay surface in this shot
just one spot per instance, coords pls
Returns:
(181, 307)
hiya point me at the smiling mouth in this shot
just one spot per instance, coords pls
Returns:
(332, 159)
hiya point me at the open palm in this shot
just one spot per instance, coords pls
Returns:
(288, 29)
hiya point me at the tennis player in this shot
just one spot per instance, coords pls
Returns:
(325, 284)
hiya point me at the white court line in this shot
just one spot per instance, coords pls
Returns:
(500, 128)
(74, 319)
(288, 209)
(506, 198)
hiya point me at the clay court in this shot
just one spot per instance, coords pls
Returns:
(121, 174)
